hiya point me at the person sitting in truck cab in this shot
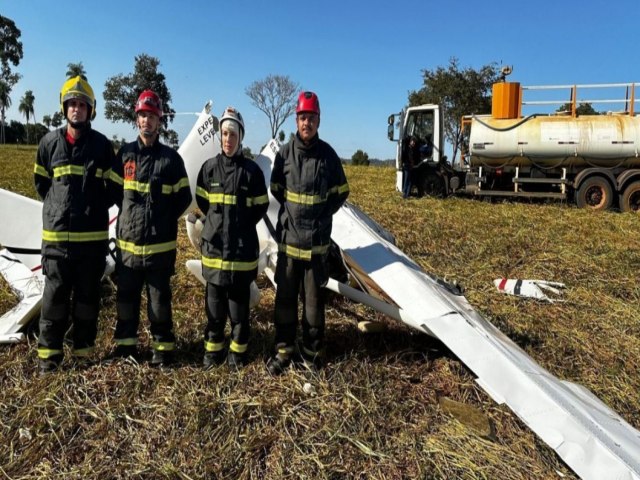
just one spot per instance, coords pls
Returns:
(426, 150)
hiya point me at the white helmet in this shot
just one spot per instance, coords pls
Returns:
(231, 113)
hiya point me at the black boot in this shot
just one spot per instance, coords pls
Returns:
(49, 365)
(278, 363)
(236, 361)
(161, 358)
(126, 351)
(309, 359)
(214, 359)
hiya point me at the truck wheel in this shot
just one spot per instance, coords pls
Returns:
(432, 185)
(630, 200)
(595, 193)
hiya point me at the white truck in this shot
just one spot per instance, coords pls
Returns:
(591, 160)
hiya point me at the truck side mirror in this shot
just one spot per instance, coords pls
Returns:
(390, 130)
(391, 120)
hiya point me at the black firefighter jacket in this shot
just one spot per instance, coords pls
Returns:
(151, 188)
(232, 194)
(309, 183)
(71, 180)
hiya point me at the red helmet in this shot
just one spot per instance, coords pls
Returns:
(308, 102)
(149, 101)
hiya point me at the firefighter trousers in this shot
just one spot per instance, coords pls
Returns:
(71, 291)
(299, 277)
(158, 289)
(222, 302)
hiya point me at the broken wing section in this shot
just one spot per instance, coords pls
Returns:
(28, 287)
(590, 437)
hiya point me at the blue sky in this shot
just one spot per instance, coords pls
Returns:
(361, 58)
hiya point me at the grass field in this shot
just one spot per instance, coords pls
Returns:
(382, 406)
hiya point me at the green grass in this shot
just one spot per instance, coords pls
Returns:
(378, 405)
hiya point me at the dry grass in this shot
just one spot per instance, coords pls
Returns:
(375, 411)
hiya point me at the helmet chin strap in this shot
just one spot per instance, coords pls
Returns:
(147, 133)
(79, 125)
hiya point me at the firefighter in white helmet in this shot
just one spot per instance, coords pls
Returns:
(232, 194)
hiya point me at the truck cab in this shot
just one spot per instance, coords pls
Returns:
(424, 125)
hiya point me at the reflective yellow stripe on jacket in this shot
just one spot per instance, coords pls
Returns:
(339, 189)
(146, 249)
(260, 200)
(69, 170)
(143, 187)
(227, 199)
(231, 266)
(40, 170)
(49, 236)
(116, 178)
(303, 198)
(302, 254)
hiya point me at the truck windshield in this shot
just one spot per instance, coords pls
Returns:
(420, 126)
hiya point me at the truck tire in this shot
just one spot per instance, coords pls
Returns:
(433, 185)
(595, 193)
(630, 199)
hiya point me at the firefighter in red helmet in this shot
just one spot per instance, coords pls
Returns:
(71, 174)
(309, 183)
(151, 187)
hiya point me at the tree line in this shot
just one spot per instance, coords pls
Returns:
(458, 90)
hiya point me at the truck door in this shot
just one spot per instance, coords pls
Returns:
(420, 125)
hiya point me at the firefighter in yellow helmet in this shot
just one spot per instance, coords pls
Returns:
(71, 171)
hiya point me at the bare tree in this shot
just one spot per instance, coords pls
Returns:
(276, 97)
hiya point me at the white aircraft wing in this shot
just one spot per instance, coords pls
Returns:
(28, 287)
(590, 437)
(21, 227)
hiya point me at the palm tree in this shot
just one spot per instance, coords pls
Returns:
(76, 70)
(26, 108)
(47, 121)
(5, 103)
(56, 119)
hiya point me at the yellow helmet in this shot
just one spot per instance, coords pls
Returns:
(79, 88)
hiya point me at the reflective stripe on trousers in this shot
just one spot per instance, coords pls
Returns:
(158, 289)
(71, 286)
(232, 301)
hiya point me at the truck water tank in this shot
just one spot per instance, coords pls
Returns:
(597, 140)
